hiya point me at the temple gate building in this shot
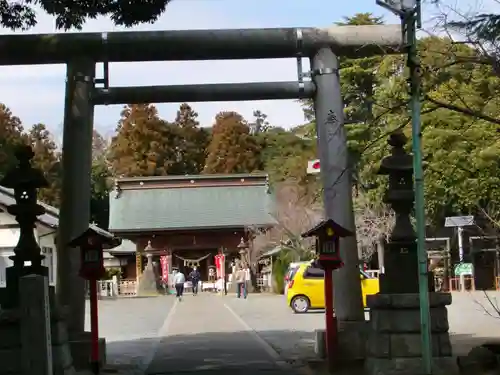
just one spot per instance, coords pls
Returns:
(188, 219)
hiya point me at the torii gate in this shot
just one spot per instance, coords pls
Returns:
(81, 51)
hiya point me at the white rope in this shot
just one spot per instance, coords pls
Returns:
(192, 262)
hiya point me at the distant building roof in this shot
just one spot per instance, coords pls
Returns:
(51, 216)
(190, 202)
(126, 247)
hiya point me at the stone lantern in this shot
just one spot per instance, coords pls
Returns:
(400, 253)
(394, 343)
(243, 251)
(148, 282)
(25, 181)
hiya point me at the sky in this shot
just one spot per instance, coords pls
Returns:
(36, 93)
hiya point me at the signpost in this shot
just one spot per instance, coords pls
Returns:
(463, 269)
(460, 222)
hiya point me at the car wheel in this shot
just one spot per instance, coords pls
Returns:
(300, 304)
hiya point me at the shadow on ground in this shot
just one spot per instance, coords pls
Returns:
(206, 353)
(215, 352)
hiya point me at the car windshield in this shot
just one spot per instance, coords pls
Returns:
(366, 275)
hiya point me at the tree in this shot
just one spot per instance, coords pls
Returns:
(358, 80)
(144, 144)
(101, 182)
(285, 155)
(11, 134)
(374, 222)
(460, 146)
(260, 123)
(48, 159)
(232, 149)
(192, 141)
(69, 14)
(99, 146)
(101, 186)
(294, 215)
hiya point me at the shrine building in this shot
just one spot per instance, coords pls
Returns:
(188, 219)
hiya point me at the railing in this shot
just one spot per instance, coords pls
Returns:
(468, 284)
(110, 288)
(127, 288)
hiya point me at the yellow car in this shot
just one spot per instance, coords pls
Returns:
(306, 288)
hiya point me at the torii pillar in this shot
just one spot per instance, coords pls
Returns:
(336, 175)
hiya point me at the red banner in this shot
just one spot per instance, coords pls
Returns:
(219, 265)
(164, 267)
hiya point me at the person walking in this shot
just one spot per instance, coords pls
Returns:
(240, 282)
(248, 279)
(179, 280)
(195, 278)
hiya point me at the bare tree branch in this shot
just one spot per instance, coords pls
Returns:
(373, 222)
(465, 111)
(294, 215)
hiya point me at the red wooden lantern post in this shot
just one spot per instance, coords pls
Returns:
(92, 243)
(327, 235)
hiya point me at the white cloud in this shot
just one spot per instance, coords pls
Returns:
(36, 93)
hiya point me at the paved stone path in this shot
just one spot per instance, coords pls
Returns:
(203, 335)
(132, 328)
(210, 332)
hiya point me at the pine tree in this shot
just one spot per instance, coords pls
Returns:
(144, 144)
(10, 135)
(232, 149)
(260, 123)
(192, 141)
(48, 159)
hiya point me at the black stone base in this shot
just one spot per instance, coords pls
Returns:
(9, 298)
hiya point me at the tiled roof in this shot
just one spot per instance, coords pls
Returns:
(225, 203)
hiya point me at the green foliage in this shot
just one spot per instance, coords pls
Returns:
(101, 186)
(358, 81)
(110, 272)
(285, 155)
(47, 158)
(11, 134)
(73, 13)
(232, 149)
(280, 266)
(484, 27)
(461, 152)
(192, 142)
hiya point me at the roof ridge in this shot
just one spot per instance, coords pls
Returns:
(222, 177)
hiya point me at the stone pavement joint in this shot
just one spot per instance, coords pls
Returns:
(204, 336)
